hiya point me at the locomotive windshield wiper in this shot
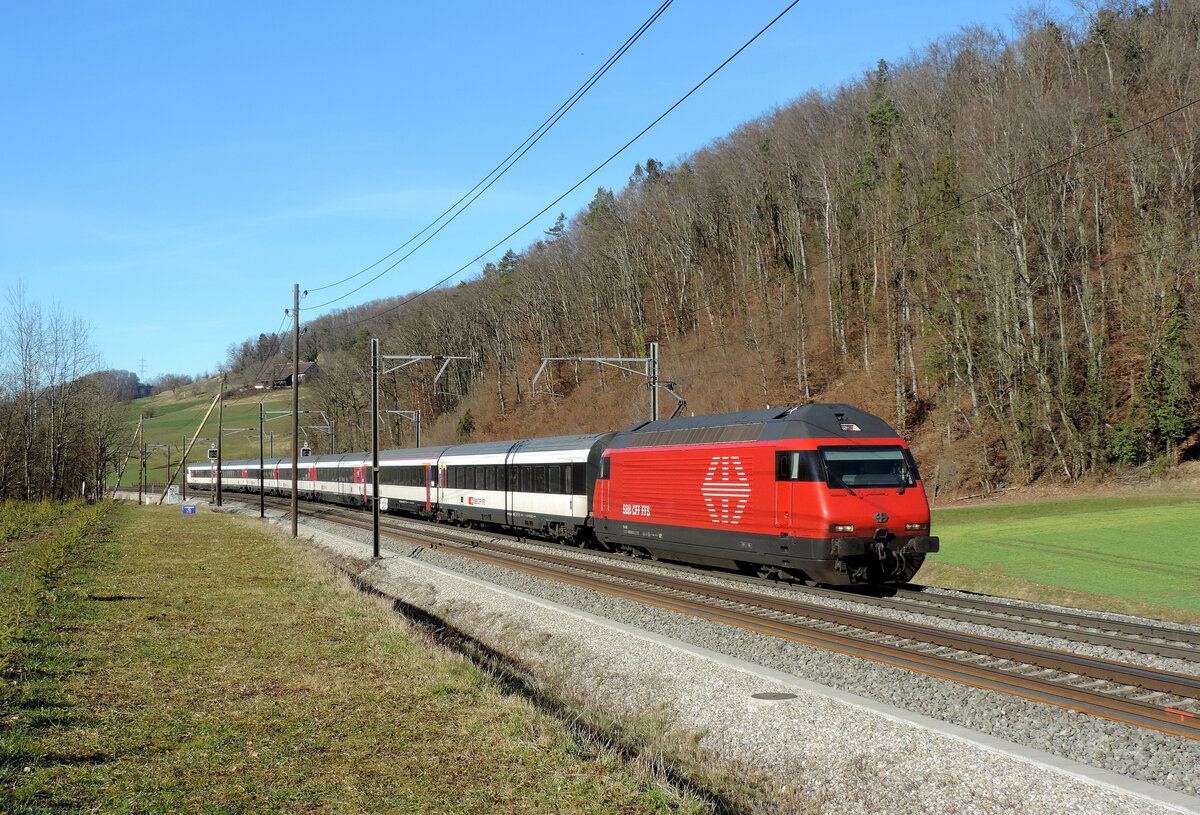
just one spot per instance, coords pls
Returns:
(835, 477)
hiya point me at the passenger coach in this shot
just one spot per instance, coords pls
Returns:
(538, 484)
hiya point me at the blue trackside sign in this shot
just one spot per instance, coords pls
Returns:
(189, 509)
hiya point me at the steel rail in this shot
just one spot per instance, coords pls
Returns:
(665, 593)
(1180, 642)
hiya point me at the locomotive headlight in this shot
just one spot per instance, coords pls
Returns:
(841, 528)
(916, 527)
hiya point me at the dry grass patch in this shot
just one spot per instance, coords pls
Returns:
(221, 669)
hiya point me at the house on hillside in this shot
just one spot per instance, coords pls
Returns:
(281, 376)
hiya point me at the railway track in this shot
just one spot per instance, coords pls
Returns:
(1157, 639)
(1160, 700)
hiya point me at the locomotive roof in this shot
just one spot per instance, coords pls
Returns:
(812, 421)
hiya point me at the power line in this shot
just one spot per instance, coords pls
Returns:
(583, 180)
(505, 165)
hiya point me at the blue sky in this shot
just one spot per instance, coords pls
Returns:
(169, 169)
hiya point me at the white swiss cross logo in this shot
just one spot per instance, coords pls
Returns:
(726, 489)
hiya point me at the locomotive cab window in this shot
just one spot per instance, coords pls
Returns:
(798, 465)
(869, 466)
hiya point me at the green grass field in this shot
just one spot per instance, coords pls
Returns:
(1140, 550)
(176, 418)
(160, 663)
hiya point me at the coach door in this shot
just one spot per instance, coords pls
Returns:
(512, 483)
(360, 479)
(428, 487)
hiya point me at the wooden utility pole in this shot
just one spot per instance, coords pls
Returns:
(137, 433)
(295, 405)
(262, 505)
(220, 434)
(141, 461)
(187, 452)
(375, 446)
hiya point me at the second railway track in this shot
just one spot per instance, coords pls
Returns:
(1161, 700)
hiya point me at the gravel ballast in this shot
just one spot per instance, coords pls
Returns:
(857, 737)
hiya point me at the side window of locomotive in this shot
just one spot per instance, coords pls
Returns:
(606, 467)
(783, 466)
(913, 472)
(798, 465)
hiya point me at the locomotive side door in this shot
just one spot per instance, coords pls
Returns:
(784, 481)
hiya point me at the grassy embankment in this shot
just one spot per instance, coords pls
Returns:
(176, 418)
(1134, 552)
(169, 663)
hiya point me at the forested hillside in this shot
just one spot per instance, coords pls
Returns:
(993, 244)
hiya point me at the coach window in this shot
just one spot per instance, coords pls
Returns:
(526, 478)
(568, 471)
(555, 485)
(539, 478)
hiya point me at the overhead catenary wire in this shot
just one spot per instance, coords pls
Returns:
(933, 217)
(574, 187)
(816, 264)
(507, 163)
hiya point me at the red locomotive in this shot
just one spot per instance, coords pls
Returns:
(827, 493)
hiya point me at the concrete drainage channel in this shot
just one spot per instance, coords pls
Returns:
(807, 747)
